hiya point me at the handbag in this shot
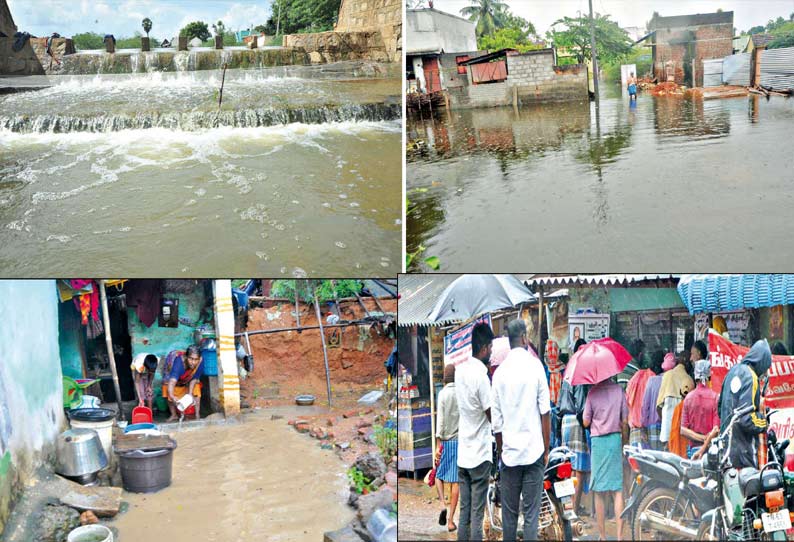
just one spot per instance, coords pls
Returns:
(430, 477)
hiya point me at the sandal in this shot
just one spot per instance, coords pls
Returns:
(453, 528)
(442, 517)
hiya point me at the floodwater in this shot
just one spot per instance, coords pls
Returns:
(259, 480)
(668, 182)
(298, 173)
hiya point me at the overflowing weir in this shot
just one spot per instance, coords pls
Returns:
(297, 170)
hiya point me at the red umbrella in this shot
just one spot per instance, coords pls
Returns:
(596, 361)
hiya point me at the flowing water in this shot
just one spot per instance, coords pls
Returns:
(664, 183)
(298, 173)
(259, 480)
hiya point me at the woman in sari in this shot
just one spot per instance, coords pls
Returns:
(182, 376)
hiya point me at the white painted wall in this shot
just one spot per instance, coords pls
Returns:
(433, 31)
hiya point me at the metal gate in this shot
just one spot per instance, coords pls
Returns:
(777, 68)
(712, 72)
(736, 69)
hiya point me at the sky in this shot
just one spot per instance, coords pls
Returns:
(122, 18)
(542, 13)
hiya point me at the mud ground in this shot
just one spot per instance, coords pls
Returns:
(291, 363)
(418, 509)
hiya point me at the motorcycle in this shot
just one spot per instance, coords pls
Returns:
(557, 519)
(668, 495)
(754, 504)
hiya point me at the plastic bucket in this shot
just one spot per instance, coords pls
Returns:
(90, 533)
(210, 358)
(146, 472)
(141, 428)
(100, 420)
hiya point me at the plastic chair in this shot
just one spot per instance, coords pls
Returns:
(142, 414)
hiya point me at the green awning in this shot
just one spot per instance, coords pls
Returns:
(644, 299)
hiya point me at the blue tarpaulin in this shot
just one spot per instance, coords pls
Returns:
(716, 293)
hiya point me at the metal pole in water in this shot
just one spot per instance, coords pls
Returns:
(109, 342)
(593, 52)
(325, 352)
(223, 80)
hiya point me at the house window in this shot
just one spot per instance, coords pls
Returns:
(458, 60)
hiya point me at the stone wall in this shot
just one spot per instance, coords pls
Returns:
(325, 47)
(60, 48)
(24, 62)
(31, 408)
(366, 30)
(536, 78)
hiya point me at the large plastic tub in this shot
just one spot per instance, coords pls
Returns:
(146, 472)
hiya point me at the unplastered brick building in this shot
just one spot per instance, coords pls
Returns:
(681, 43)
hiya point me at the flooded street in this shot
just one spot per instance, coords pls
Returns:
(299, 172)
(259, 480)
(492, 187)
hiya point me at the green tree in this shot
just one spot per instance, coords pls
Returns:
(756, 30)
(147, 25)
(88, 40)
(509, 20)
(506, 38)
(219, 28)
(486, 13)
(306, 289)
(783, 40)
(612, 42)
(258, 29)
(296, 16)
(196, 29)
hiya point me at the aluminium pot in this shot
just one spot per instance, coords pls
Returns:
(79, 452)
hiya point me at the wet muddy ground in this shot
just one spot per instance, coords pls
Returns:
(418, 509)
(256, 480)
(497, 187)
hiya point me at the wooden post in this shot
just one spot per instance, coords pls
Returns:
(297, 307)
(430, 333)
(145, 44)
(220, 95)
(325, 352)
(515, 97)
(541, 349)
(219, 42)
(109, 343)
(182, 43)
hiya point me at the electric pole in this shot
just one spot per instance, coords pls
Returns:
(593, 51)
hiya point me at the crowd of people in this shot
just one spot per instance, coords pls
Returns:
(504, 408)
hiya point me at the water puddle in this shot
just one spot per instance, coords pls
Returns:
(255, 481)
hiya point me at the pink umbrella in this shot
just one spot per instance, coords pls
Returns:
(596, 361)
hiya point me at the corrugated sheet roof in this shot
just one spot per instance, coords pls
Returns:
(594, 280)
(418, 294)
(712, 293)
(762, 40)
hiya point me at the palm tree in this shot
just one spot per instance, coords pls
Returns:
(487, 15)
(147, 25)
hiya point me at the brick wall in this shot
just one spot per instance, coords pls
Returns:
(24, 62)
(677, 47)
(538, 79)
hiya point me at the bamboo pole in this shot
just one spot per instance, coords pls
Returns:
(223, 80)
(541, 347)
(303, 328)
(430, 333)
(363, 306)
(109, 343)
(325, 352)
(297, 307)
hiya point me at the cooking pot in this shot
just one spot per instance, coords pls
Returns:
(79, 452)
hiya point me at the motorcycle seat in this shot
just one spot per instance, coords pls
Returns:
(750, 481)
(686, 468)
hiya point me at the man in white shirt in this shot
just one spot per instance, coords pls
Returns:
(475, 454)
(521, 423)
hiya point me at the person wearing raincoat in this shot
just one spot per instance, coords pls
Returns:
(742, 387)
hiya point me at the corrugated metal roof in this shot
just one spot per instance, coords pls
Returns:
(594, 280)
(418, 295)
(712, 293)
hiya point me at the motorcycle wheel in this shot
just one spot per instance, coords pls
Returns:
(704, 532)
(560, 528)
(660, 501)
